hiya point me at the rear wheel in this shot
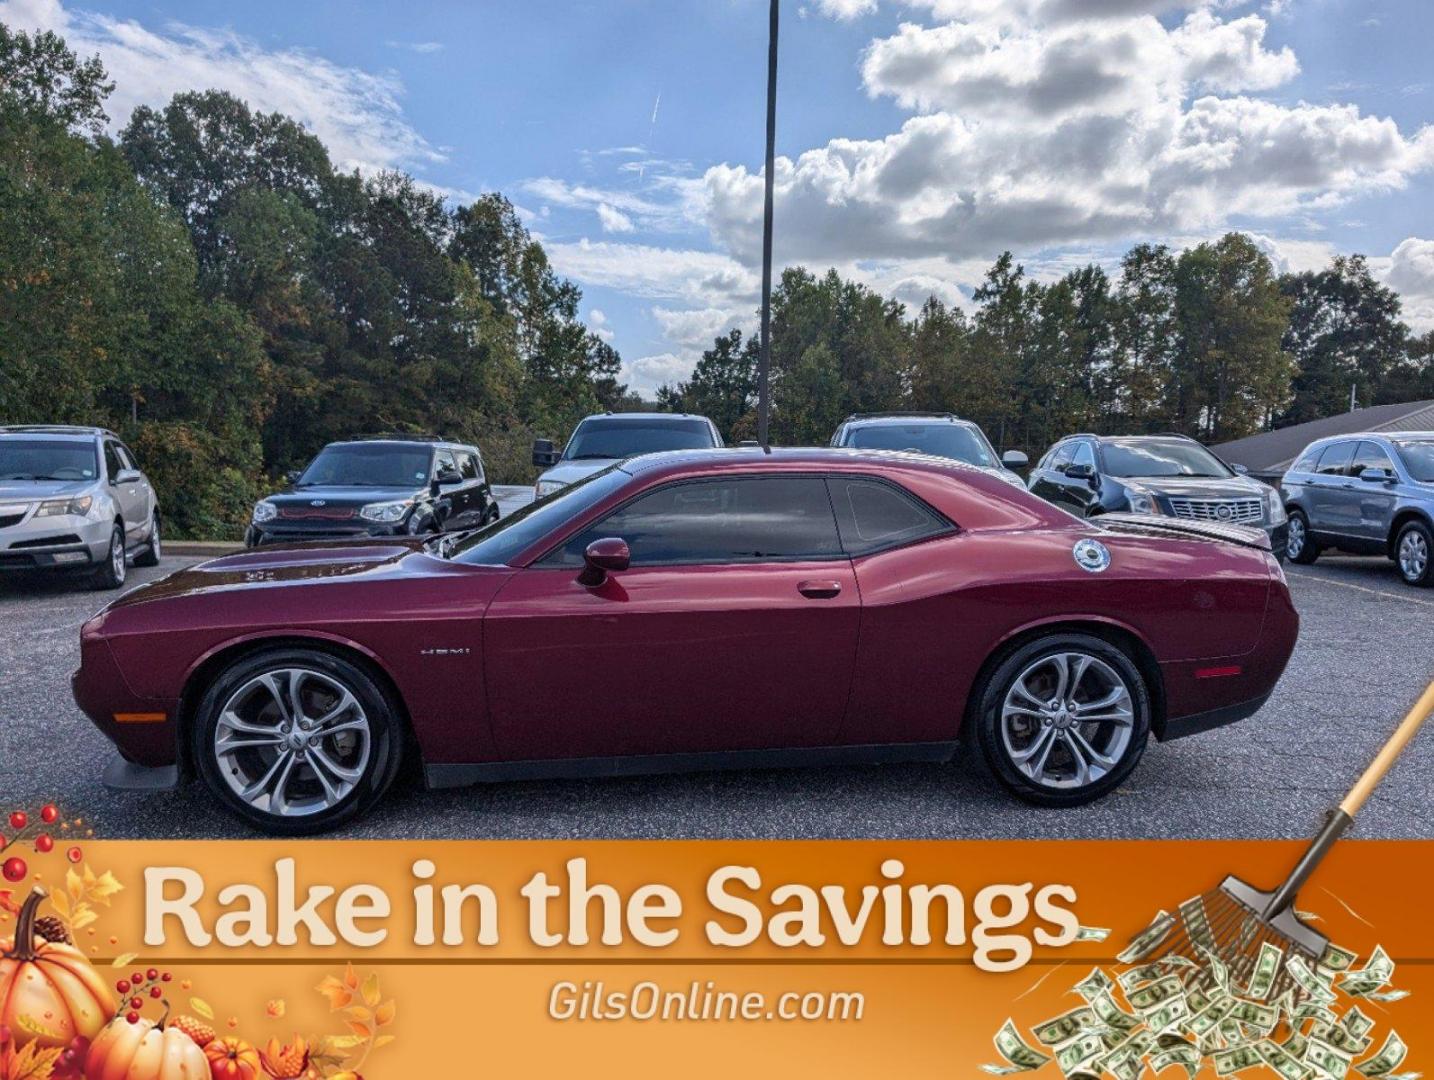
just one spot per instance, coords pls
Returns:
(297, 741)
(1064, 719)
(151, 552)
(1300, 548)
(1412, 554)
(111, 573)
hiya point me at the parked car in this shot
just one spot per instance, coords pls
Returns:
(938, 434)
(380, 485)
(599, 441)
(73, 499)
(1367, 494)
(1170, 475)
(720, 608)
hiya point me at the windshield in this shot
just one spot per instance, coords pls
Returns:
(1418, 458)
(941, 440)
(369, 465)
(501, 542)
(47, 459)
(614, 437)
(1161, 457)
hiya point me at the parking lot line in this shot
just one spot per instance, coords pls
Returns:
(1321, 579)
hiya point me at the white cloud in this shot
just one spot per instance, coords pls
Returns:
(423, 48)
(598, 324)
(612, 219)
(670, 204)
(846, 10)
(356, 113)
(1410, 272)
(647, 373)
(655, 273)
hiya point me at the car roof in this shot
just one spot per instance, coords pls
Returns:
(755, 459)
(697, 417)
(59, 431)
(1387, 436)
(905, 420)
(398, 440)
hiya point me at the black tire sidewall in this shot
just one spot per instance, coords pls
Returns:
(386, 731)
(1310, 552)
(150, 557)
(104, 576)
(1427, 579)
(993, 691)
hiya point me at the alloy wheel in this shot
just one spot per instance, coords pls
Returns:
(292, 742)
(1296, 538)
(117, 560)
(1413, 555)
(1067, 719)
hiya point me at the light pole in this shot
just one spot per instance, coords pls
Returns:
(764, 362)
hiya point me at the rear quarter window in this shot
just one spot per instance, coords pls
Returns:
(876, 515)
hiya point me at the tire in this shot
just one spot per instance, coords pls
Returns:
(1414, 554)
(153, 548)
(1044, 756)
(1300, 547)
(113, 571)
(300, 784)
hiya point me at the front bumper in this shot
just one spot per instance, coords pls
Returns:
(1279, 539)
(60, 543)
(280, 532)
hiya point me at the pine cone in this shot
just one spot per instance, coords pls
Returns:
(197, 1030)
(52, 929)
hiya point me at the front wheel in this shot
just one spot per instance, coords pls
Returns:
(150, 555)
(1064, 719)
(111, 573)
(1412, 554)
(297, 741)
(1299, 547)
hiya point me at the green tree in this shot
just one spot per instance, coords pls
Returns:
(723, 386)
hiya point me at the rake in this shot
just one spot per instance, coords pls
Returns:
(1235, 920)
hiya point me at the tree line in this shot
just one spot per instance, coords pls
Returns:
(1209, 342)
(210, 285)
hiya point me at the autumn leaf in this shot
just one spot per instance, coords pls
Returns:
(384, 1014)
(7, 902)
(383, 1040)
(33, 1063)
(202, 1007)
(371, 994)
(337, 993)
(276, 1008)
(359, 1013)
(123, 960)
(351, 979)
(363, 1031)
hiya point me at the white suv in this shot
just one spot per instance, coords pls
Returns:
(606, 438)
(72, 498)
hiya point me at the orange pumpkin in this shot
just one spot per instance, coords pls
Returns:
(144, 1051)
(231, 1058)
(49, 993)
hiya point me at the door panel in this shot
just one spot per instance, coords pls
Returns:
(1333, 509)
(1376, 500)
(671, 659)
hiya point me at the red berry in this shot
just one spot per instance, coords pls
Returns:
(49, 813)
(74, 854)
(136, 1003)
(122, 986)
(18, 820)
(165, 977)
(15, 869)
(132, 1017)
(152, 974)
(44, 843)
(137, 978)
(155, 991)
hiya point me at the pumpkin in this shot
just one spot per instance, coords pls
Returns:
(233, 1059)
(49, 993)
(144, 1050)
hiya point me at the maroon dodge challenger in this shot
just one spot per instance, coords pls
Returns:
(691, 610)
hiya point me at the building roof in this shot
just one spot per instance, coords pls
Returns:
(1274, 451)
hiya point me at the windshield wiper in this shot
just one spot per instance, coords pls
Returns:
(35, 476)
(591, 457)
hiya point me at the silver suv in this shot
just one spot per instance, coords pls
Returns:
(1368, 494)
(73, 499)
(938, 434)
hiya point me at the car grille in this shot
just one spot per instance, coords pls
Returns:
(1235, 511)
(317, 513)
(47, 541)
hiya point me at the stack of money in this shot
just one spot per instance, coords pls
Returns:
(1193, 1012)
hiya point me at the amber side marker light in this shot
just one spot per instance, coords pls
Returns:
(1218, 672)
(140, 717)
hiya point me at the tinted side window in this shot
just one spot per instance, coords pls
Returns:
(874, 515)
(1084, 455)
(1336, 459)
(1062, 456)
(113, 464)
(468, 465)
(1370, 456)
(735, 520)
(444, 462)
(1307, 462)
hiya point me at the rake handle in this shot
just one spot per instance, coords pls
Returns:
(1340, 820)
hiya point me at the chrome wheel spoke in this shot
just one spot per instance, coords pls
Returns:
(348, 701)
(231, 720)
(348, 725)
(296, 697)
(261, 786)
(1019, 690)
(350, 776)
(270, 683)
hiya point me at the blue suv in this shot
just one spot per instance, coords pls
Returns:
(1367, 494)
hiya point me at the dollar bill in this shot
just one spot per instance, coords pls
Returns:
(1355, 1022)
(1219, 973)
(1081, 1051)
(1020, 1056)
(1094, 984)
(1236, 1059)
(1296, 1044)
(1257, 1015)
(1375, 975)
(1336, 959)
(1092, 933)
(1149, 939)
(1340, 1037)
(1329, 1060)
(1267, 966)
(1168, 1015)
(1065, 1027)
(1387, 995)
(1208, 1019)
(1112, 1015)
(1391, 1055)
(1152, 995)
(1282, 1061)
(1308, 981)
(1186, 1056)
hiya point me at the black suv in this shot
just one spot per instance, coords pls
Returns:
(1156, 474)
(379, 485)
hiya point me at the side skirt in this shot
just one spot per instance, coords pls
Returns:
(487, 772)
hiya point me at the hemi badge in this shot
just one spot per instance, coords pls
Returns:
(141, 717)
(1217, 672)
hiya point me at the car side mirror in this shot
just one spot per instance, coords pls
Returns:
(293, 475)
(545, 455)
(127, 476)
(609, 555)
(1079, 471)
(1377, 475)
(1015, 459)
(450, 476)
(435, 489)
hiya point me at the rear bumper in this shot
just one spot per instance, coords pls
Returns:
(1181, 727)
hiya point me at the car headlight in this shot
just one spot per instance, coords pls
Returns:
(387, 512)
(1142, 502)
(547, 487)
(1276, 507)
(65, 507)
(264, 510)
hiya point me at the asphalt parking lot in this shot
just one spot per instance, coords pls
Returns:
(1366, 649)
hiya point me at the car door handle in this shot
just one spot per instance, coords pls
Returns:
(819, 590)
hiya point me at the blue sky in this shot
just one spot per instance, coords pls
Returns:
(920, 137)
